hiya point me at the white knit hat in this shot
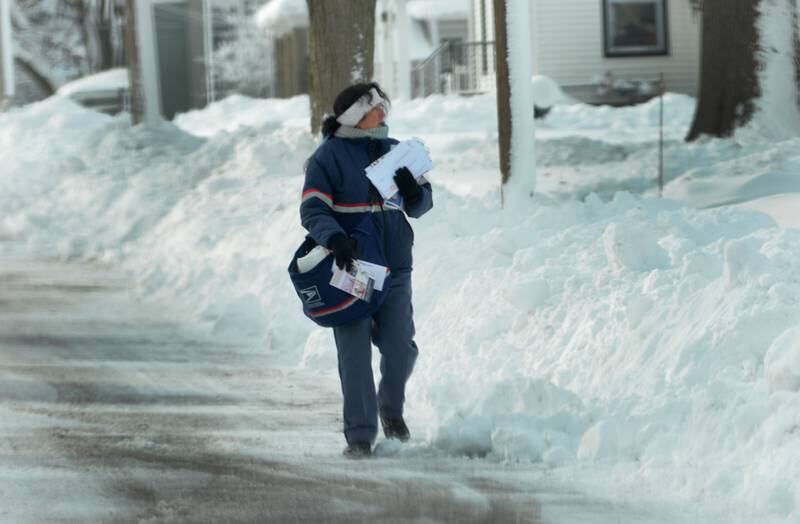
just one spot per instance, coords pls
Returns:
(361, 107)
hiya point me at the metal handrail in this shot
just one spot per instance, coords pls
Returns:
(454, 67)
(436, 52)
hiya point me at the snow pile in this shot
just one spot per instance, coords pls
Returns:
(35, 141)
(546, 92)
(635, 340)
(731, 171)
(624, 123)
(237, 111)
(636, 334)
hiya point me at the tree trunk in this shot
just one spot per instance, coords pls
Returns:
(342, 38)
(796, 42)
(134, 66)
(729, 83)
(503, 80)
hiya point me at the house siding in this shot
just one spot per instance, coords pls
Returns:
(567, 44)
(576, 56)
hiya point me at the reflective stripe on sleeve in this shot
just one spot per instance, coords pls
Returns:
(345, 208)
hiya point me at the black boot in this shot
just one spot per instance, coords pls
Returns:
(395, 427)
(358, 449)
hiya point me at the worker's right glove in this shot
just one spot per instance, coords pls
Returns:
(344, 250)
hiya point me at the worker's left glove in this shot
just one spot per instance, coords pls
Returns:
(409, 189)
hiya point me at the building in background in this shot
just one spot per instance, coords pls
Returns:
(285, 23)
(173, 38)
(411, 37)
(229, 16)
(442, 29)
(606, 51)
(197, 51)
(241, 55)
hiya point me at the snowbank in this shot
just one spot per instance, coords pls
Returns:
(546, 92)
(638, 341)
(237, 111)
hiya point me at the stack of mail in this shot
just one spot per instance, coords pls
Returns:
(411, 154)
(362, 280)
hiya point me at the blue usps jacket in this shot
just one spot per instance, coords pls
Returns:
(337, 195)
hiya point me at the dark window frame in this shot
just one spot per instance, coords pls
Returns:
(611, 52)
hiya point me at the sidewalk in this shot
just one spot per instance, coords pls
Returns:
(112, 412)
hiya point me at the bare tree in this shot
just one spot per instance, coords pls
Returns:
(100, 22)
(729, 84)
(46, 49)
(342, 38)
(58, 40)
(244, 65)
(33, 69)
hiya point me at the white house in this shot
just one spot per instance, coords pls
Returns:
(586, 45)
(420, 38)
(407, 34)
(173, 38)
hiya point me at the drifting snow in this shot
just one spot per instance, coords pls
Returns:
(641, 342)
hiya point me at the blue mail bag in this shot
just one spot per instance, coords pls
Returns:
(327, 305)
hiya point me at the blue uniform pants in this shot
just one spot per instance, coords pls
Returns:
(391, 329)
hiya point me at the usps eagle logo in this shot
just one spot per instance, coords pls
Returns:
(310, 296)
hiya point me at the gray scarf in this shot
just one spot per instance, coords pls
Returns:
(354, 132)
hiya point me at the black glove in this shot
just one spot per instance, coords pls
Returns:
(409, 189)
(344, 250)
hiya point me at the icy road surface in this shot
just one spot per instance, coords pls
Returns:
(110, 411)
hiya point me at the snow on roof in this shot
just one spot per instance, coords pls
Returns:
(281, 16)
(432, 9)
(110, 80)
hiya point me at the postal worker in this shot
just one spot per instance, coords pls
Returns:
(336, 196)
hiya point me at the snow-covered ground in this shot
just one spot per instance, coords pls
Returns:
(638, 347)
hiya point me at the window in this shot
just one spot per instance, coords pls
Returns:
(635, 27)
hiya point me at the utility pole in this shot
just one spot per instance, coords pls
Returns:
(6, 55)
(514, 98)
(142, 62)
